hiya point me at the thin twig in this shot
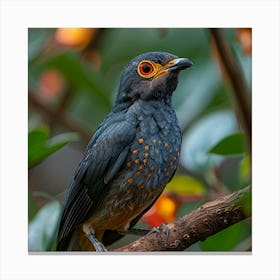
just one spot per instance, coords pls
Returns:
(237, 80)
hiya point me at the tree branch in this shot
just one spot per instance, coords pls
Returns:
(210, 218)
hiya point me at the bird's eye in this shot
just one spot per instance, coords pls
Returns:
(146, 69)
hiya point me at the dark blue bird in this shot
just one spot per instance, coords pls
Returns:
(129, 160)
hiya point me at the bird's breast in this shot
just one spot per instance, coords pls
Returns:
(153, 158)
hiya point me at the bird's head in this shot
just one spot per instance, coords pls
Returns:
(151, 76)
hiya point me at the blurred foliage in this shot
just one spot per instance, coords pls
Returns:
(227, 239)
(41, 146)
(43, 228)
(73, 78)
(231, 145)
(245, 171)
(32, 208)
(186, 186)
(202, 135)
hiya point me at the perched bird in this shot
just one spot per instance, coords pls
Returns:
(129, 160)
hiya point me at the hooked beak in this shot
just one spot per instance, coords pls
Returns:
(176, 64)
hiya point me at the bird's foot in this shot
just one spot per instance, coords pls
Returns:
(99, 247)
(162, 228)
(89, 232)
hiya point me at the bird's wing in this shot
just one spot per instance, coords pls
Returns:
(104, 156)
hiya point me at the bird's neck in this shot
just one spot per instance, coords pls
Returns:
(156, 103)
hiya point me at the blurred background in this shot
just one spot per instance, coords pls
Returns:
(73, 78)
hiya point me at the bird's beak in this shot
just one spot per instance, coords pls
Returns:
(176, 64)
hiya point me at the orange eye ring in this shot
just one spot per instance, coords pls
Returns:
(146, 69)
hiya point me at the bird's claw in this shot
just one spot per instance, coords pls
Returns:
(164, 228)
(99, 247)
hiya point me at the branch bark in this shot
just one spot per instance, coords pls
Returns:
(210, 218)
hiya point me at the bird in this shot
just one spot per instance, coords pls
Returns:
(130, 158)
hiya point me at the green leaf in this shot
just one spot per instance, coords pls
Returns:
(57, 142)
(43, 228)
(245, 170)
(227, 239)
(231, 145)
(40, 147)
(186, 185)
(246, 201)
(202, 135)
